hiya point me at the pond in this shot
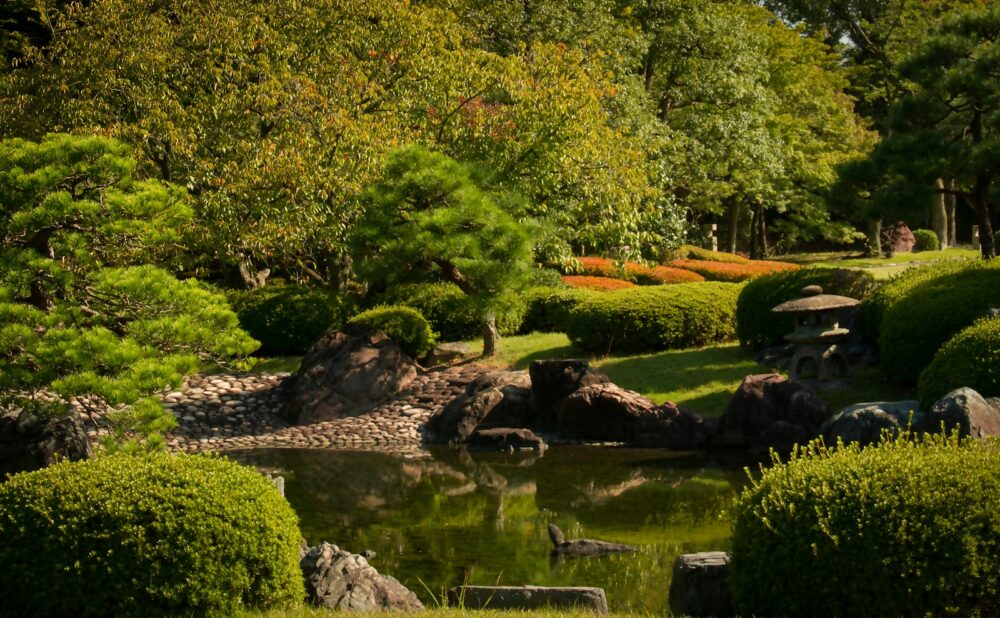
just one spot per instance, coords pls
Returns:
(439, 518)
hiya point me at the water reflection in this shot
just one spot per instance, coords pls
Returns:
(445, 517)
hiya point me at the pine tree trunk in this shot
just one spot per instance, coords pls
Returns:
(939, 213)
(952, 213)
(987, 243)
(490, 335)
(758, 234)
(734, 226)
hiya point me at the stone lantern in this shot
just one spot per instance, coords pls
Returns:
(817, 333)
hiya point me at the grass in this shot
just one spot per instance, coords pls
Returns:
(430, 612)
(881, 268)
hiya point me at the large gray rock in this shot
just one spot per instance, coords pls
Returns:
(610, 413)
(966, 410)
(763, 400)
(347, 373)
(337, 579)
(552, 381)
(700, 586)
(497, 399)
(528, 598)
(863, 423)
(30, 440)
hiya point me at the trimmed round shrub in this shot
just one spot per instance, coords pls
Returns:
(970, 358)
(660, 275)
(757, 327)
(404, 325)
(926, 240)
(691, 252)
(598, 284)
(158, 534)
(287, 320)
(548, 308)
(655, 318)
(919, 323)
(898, 287)
(448, 310)
(734, 272)
(910, 527)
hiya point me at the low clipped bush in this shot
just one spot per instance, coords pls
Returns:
(598, 284)
(926, 240)
(898, 287)
(548, 308)
(919, 323)
(655, 318)
(635, 272)
(153, 535)
(910, 527)
(404, 325)
(733, 272)
(970, 358)
(691, 252)
(289, 319)
(757, 327)
(599, 267)
(449, 311)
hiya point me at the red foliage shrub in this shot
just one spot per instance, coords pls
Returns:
(727, 271)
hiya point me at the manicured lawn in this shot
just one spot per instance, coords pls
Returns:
(881, 268)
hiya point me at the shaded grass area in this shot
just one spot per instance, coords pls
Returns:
(881, 268)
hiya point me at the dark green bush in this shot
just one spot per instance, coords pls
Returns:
(906, 528)
(970, 358)
(655, 317)
(890, 292)
(146, 536)
(548, 308)
(926, 240)
(404, 325)
(449, 310)
(757, 327)
(919, 323)
(289, 319)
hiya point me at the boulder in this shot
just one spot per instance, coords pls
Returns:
(966, 410)
(505, 438)
(700, 586)
(762, 400)
(337, 579)
(31, 440)
(347, 373)
(528, 598)
(864, 423)
(497, 399)
(610, 413)
(552, 381)
(444, 353)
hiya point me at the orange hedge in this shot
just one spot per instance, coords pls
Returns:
(599, 267)
(600, 284)
(643, 275)
(727, 271)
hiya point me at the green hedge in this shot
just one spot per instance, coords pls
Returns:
(926, 240)
(449, 311)
(919, 323)
(287, 320)
(906, 528)
(655, 318)
(970, 358)
(138, 536)
(897, 288)
(548, 308)
(757, 327)
(404, 325)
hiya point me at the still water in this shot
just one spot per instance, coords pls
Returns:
(444, 517)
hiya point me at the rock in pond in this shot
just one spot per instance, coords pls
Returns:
(763, 400)
(552, 381)
(505, 438)
(700, 586)
(347, 373)
(31, 440)
(583, 547)
(863, 423)
(528, 598)
(966, 410)
(610, 413)
(337, 579)
(496, 399)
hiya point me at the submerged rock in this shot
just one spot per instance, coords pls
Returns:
(583, 547)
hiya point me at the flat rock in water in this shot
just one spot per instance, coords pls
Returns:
(528, 598)
(584, 547)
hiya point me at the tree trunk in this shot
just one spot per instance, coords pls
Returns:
(949, 185)
(758, 234)
(874, 238)
(732, 232)
(987, 244)
(939, 214)
(490, 335)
